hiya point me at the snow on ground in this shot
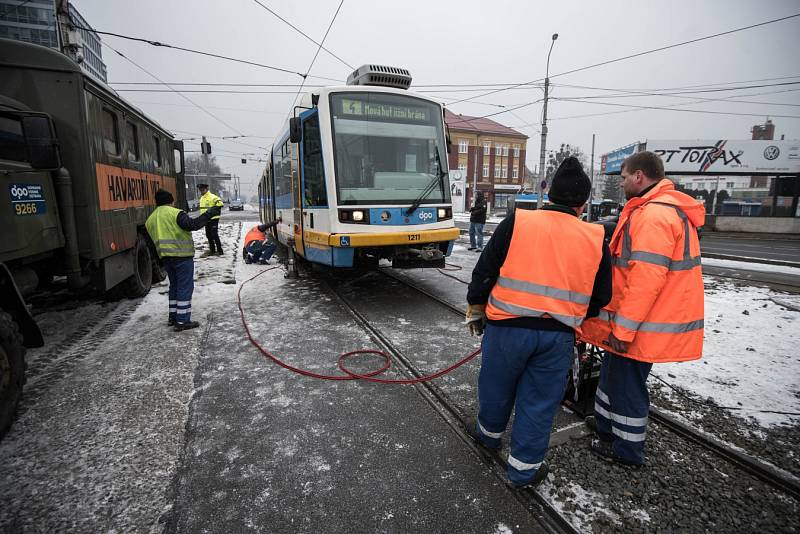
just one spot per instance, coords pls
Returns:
(749, 353)
(464, 217)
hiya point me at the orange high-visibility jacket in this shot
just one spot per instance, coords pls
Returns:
(657, 300)
(549, 270)
(254, 234)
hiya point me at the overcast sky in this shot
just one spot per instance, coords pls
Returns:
(466, 42)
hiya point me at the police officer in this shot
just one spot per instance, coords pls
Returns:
(171, 231)
(207, 200)
(542, 273)
(656, 312)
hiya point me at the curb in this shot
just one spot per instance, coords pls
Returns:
(749, 259)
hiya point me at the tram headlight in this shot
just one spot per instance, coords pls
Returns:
(354, 216)
(444, 213)
(358, 216)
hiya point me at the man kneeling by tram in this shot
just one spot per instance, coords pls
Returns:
(542, 273)
(258, 247)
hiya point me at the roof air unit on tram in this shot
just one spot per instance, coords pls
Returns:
(380, 75)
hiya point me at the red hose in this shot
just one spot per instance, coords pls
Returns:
(348, 374)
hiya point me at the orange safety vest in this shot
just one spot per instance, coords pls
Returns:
(254, 234)
(657, 300)
(550, 268)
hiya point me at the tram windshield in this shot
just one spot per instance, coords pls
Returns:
(388, 149)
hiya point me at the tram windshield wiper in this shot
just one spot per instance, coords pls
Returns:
(430, 187)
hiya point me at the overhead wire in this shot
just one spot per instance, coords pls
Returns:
(301, 32)
(679, 110)
(630, 56)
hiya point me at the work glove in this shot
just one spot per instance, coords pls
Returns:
(213, 211)
(476, 319)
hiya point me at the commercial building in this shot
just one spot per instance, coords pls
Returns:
(35, 22)
(486, 155)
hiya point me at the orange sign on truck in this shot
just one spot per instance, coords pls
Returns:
(120, 188)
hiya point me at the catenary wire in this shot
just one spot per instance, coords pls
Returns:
(298, 30)
(675, 45)
(679, 110)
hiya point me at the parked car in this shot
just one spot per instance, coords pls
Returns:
(236, 204)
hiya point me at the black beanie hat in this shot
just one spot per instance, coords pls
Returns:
(570, 185)
(164, 197)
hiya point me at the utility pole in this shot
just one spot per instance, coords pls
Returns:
(475, 169)
(540, 188)
(591, 180)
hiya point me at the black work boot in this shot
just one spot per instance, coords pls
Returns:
(605, 450)
(537, 479)
(180, 327)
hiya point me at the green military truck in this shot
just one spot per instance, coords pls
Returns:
(78, 171)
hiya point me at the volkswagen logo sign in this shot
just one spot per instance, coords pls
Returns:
(385, 216)
(772, 152)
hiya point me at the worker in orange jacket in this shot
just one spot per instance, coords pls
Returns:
(656, 311)
(257, 245)
(541, 274)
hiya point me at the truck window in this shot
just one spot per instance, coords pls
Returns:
(132, 141)
(178, 167)
(12, 141)
(157, 152)
(110, 132)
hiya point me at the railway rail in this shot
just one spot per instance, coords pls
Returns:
(778, 479)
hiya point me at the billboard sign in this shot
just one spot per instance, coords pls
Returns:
(722, 156)
(613, 160)
(458, 190)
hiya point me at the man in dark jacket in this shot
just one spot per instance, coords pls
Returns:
(171, 231)
(477, 218)
(543, 272)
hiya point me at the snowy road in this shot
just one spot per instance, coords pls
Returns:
(136, 428)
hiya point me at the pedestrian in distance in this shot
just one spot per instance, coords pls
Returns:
(541, 275)
(258, 245)
(656, 310)
(171, 232)
(477, 218)
(207, 200)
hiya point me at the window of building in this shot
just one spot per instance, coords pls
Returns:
(729, 185)
(505, 150)
(110, 132)
(497, 171)
(132, 141)
(498, 149)
(487, 149)
(516, 150)
(462, 167)
(463, 145)
(701, 185)
(515, 173)
(156, 152)
(505, 171)
(485, 170)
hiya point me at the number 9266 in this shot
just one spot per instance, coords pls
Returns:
(25, 208)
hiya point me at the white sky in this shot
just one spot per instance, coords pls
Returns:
(465, 42)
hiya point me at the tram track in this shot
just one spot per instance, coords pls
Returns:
(544, 512)
(777, 479)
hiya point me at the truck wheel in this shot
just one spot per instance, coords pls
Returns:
(159, 272)
(12, 370)
(138, 285)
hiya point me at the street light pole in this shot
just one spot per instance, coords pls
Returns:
(540, 188)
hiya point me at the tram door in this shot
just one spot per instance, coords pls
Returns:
(315, 216)
(297, 200)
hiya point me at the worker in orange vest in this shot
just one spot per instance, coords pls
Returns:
(541, 274)
(656, 311)
(257, 245)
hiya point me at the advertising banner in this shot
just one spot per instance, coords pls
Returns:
(720, 157)
(458, 190)
(613, 160)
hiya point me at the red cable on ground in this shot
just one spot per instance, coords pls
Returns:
(349, 375)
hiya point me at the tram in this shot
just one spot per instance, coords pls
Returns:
(359, 174)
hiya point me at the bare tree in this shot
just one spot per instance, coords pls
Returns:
(555, 159)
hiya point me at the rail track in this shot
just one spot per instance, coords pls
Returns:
(777, 479)
(544, 512)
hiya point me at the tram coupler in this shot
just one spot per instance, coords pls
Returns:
(291, 261)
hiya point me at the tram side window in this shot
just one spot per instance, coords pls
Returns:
(283, 177)
(313, 172)
(110, 132)
(156, 152)
(132, 141)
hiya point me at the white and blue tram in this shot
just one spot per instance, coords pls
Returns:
(359, 174)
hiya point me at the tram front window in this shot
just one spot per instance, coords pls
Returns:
(388, 149)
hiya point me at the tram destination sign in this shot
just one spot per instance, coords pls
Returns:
(723, 156)
(377, 110)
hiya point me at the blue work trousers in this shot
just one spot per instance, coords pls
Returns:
(622, 404)
(181, 286)
(524, 369)
(476, 235)
(257, 251)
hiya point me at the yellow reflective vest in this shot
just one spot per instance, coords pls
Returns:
(207, 200)
(170, 239)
